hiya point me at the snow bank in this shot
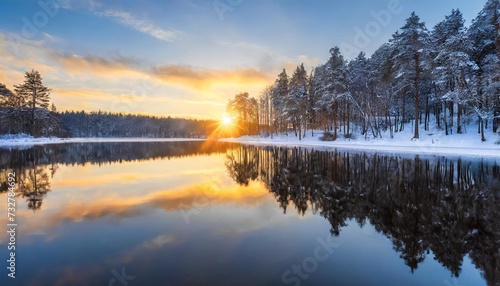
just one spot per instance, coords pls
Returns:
(429, 143)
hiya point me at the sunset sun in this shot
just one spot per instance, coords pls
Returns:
(226, 120)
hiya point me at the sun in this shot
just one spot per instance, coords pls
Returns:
(226, 120)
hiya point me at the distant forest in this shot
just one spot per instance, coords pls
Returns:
(27, 110)
(448, 77)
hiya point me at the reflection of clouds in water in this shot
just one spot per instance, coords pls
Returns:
(159, 241)
(168, 200)
(81, 274)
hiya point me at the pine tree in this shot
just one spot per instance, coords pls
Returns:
(412, 45)
(312, 102)
(359, 71)
(296, 101)
(280, 92)
(383, 91)
(336, 84)
(13, 113)
(484, 33)
(36, 98)
(452, 66)
(6, 95)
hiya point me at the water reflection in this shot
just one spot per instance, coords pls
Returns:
(34, 167)
(131, 203)
(448, 206)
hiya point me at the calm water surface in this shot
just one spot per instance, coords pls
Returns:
(195, 213)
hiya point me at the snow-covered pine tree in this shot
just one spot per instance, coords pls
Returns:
(484, 33)
(453, 68)
(312, 102)
(359, 89)
(296, 101)
(336, 84)
(318, 91)
(384, 91)
(280, 92)
(412, 45)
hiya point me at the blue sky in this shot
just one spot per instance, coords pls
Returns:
(187, 58)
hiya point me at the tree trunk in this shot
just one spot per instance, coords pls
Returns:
(482, 130)
(335, 118)
(417, 95)
(459, 113)
(445, 119)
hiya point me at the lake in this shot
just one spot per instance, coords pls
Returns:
(200, 213)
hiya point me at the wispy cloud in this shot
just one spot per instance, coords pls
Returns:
(79, 4)
(202, 78)
(142, 26)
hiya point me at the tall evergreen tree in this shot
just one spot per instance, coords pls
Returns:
(296, 101)
(279, 95)
(452, 66)
(36, 98)
(484, 33)
(336, 84)
(412, 45)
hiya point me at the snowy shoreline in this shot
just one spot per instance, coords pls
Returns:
(429, 144)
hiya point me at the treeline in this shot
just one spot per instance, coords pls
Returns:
(448, 77)
(26, 110)
(106, 124)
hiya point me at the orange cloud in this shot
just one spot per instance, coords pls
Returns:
(188, 77)
(203, 78)
(99, 66)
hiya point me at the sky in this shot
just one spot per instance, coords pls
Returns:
(187, 58)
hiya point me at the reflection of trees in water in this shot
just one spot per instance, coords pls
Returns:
(32, 180)
(34, 167)
(240, 166)
(106, 153)
(33, 184)
(448, 206)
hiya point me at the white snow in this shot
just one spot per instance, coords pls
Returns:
(434, 143)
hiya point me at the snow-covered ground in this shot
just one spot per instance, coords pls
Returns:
(429, 143)
(26, 140)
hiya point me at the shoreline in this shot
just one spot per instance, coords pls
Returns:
(440, 145)
(26, 142)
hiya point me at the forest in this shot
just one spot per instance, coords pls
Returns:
(447, 77)
(27, 110)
